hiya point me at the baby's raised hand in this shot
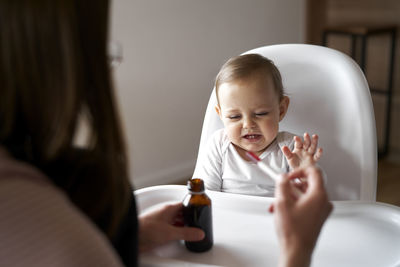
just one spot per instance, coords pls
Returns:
(304, 153)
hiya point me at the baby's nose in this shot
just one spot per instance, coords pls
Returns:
(248, 123)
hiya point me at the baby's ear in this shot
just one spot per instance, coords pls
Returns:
(218, 110)
(283, 107)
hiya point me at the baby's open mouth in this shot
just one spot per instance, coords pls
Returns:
(252, 136)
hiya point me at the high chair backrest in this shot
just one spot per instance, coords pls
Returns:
(329, 96)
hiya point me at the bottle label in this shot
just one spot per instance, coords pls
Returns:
(200, 217)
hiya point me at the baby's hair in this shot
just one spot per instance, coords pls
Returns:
(243, 66)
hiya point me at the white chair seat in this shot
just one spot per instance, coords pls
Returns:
(330, 97)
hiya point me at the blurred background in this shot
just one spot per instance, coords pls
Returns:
(172, 50)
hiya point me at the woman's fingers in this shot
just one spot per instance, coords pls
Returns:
(186, 233)
(284, 190)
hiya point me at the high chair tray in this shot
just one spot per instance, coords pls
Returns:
(356, 234)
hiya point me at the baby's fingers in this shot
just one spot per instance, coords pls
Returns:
(318, 154)
(286, 151)
(298, 143)
(314, 144)
(307, 141)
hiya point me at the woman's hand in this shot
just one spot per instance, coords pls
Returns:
(299, 219)
(164, 225)
(304, 153)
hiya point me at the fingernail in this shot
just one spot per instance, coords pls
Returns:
(201, 235)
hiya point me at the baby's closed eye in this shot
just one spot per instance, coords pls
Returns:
(233, 117)
(260, 114)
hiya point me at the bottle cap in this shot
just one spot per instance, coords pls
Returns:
(195, 185)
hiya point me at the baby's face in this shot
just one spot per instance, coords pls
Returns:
(251, 111)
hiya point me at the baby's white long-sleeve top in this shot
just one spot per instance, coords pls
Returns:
(223, 169)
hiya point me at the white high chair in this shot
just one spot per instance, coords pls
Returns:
(329, 96)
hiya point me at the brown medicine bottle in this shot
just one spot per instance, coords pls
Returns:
(197, 213)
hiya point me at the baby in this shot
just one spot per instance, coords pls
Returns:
(251, 103)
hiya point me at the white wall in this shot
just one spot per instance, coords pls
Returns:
(172, 51)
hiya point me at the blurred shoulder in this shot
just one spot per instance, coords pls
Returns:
(41, 223)
(220, 139)
(285, 139)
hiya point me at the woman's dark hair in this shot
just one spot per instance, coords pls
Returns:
(54, 74)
